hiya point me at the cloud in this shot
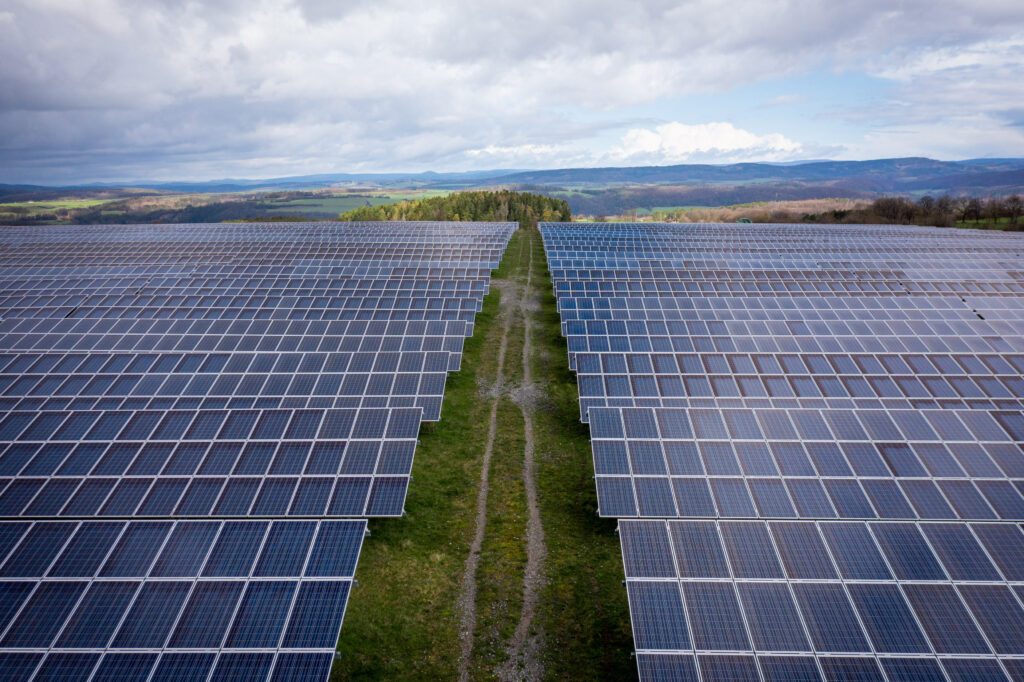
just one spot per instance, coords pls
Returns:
(977, 57)
(707, 142)
(783, 100)
(952, 102)
(105, 89)
(959, 137)
(529, 155)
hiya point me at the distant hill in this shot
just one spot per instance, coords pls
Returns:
(429, 179)
(610, 191)
(879, 175)
(882, 175)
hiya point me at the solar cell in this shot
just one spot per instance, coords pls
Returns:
(818, 431)
(185, 413)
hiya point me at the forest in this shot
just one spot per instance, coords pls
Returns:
(523, 207)
(944, 211)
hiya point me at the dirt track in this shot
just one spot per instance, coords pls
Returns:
(467, 591)
(523, 659)
(524, 650)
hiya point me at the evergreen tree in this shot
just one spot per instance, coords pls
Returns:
(501, 205)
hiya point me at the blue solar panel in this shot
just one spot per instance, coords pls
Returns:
(256, 581)
(819, 433)
(185, 413)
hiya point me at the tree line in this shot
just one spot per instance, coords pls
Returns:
(501, 205)
(943, 211)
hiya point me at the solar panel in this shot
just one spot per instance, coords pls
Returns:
(818, 431)
(336, 462)
(187, 414)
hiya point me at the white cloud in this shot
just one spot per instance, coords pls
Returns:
(720, 142)
(961, 138)
(126, 88)
(528, 155)
(949, 102)
(984, 55)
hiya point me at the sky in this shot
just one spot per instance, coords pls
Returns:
(116, 90)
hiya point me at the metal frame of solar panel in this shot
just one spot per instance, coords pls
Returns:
(818, 433)
(187, 414)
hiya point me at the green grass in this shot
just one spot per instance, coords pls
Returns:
(59, 209)
(313, 204)
(43, 206)
(412, 195)
(503, 555)
(402, 621)
(990, 224)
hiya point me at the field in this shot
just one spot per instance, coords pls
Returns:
(32, 210)
(335, 203)
(126, 206)
(987, 224)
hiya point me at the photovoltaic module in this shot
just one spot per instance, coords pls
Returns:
(812, 437)
(195, 423)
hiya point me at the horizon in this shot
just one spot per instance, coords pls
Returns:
(495, 173)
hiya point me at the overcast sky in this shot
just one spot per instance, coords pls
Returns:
(177, 89)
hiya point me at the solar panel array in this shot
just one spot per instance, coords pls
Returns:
(189, 413)
(812, 436)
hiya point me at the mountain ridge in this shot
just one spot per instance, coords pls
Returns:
(894, 172)
(889, 174)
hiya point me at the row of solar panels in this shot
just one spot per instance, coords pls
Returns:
(856, 387)
(193, 407)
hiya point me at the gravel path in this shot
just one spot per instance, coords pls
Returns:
(467, 592)
(523, 661)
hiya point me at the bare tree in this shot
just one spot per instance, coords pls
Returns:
(1014, 207)
(945, 211)
(971, 209)
(896, 210)
(994, 209)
